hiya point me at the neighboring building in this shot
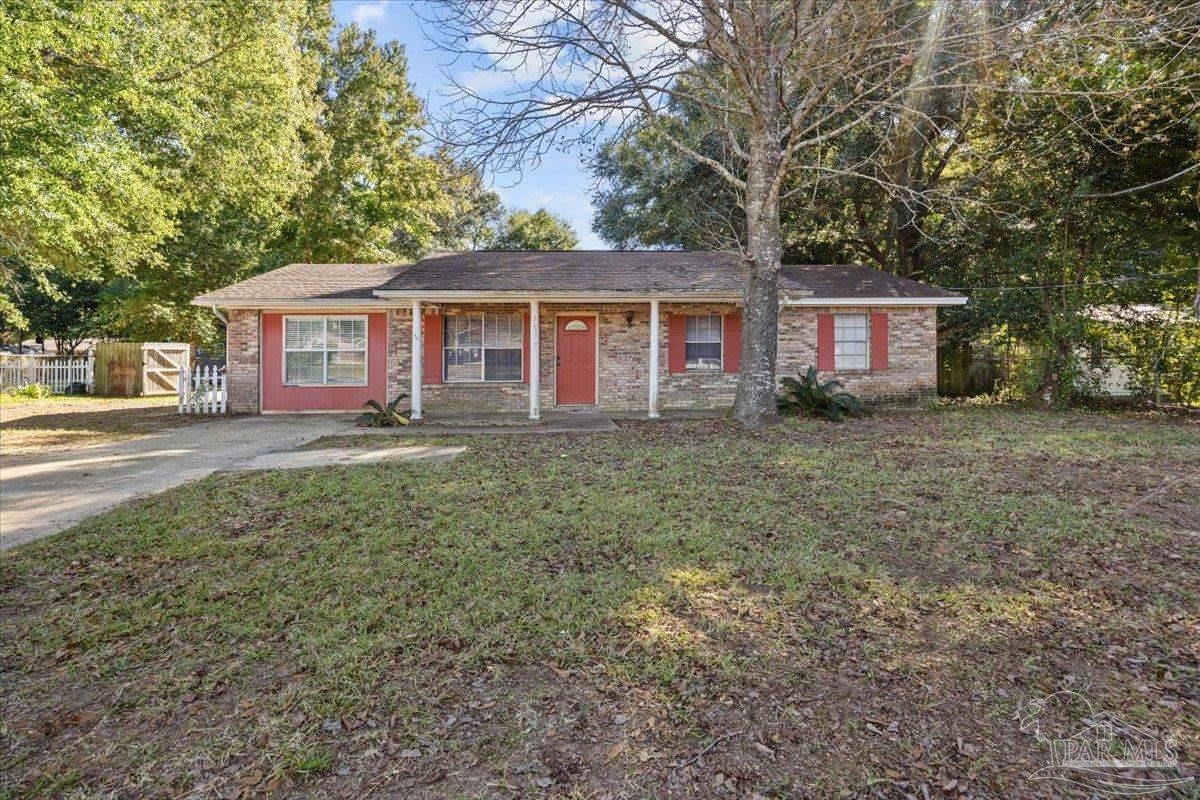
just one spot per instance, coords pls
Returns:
(1112, 364)
(624, 331)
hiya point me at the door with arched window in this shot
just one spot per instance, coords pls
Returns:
(575, 360)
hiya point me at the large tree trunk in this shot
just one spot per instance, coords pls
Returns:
(1055, 392)
(754, 402)
(906, 238)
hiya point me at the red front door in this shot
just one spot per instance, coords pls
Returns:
(576, 361)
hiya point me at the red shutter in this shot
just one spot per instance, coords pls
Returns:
(879, 341)
(733, 341)
(433, 349)
(525, 352)
(825, 360)
(676, 334)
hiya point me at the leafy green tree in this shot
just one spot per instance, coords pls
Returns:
(650, 195)
(58, 306)
(1078, 207)
(539, 230)
(373, 195)
(475, 213)
(153, 145)
(1077, 193)
(119, 116)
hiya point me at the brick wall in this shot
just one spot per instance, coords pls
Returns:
(698, 389)
(241, 358)
(622, 367)
(912, 352)
(399, 348)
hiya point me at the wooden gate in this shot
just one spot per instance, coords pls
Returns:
(161, 362)
(135, 369)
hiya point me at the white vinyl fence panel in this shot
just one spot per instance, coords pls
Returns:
(202, 390)
(56, 372)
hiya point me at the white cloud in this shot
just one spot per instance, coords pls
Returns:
(367, 13)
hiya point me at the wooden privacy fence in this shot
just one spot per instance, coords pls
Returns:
(202, 390)
(56, 372)
(136, 369)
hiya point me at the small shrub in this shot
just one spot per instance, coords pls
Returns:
(388, 416)
(32, 391)
(808, 395)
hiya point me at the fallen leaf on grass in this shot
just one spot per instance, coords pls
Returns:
(251, 778)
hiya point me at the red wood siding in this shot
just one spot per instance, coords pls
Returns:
(676, 351)
(732, 337)
(879, 341)
(277, 397)
(825, 351)
(432, 370)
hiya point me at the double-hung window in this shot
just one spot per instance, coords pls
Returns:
(320, 351)
(482, 347)
(850, 341)
(702, 342)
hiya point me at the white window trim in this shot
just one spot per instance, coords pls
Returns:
(721, 341)
(866, 355)
(366, 350)
(482, 349)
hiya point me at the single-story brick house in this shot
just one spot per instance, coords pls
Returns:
(523, 331)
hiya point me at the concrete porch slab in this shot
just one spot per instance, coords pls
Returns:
(347, 456)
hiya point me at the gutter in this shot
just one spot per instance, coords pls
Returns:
(467, 296)
(953, 300)
(394, 299)
(224, 319)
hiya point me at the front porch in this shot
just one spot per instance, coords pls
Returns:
(619, 357)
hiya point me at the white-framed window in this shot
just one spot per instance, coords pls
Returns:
(325, 351)
(702, 342)
(850, 341)
(482, 347)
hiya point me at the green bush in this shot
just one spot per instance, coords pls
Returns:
(32, 391)
(808, 395)
(388, 416)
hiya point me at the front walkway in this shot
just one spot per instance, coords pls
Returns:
(42, 493)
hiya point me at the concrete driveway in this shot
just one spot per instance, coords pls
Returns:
(45, 492)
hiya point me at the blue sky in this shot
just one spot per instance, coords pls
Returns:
(559, 183)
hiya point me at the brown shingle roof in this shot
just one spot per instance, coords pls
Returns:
(839, 280)
(560, 272)
(337, 282)
(635, 271)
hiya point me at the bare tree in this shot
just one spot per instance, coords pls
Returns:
(778, 82)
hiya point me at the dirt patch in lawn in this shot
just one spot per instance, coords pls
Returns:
(57, 422)
(677, 609)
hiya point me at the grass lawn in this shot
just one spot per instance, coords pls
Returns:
(678, 609)
(53, 423)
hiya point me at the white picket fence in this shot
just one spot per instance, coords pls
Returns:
(57, 372)
(202, 390)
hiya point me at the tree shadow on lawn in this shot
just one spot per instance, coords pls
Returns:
(55, 427)
(586, 615)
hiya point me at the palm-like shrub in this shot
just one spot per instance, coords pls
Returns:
(385, 416)
(808, 395)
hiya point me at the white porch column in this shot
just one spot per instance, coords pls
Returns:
(418, 358)
(535, 361)
(654, 348)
